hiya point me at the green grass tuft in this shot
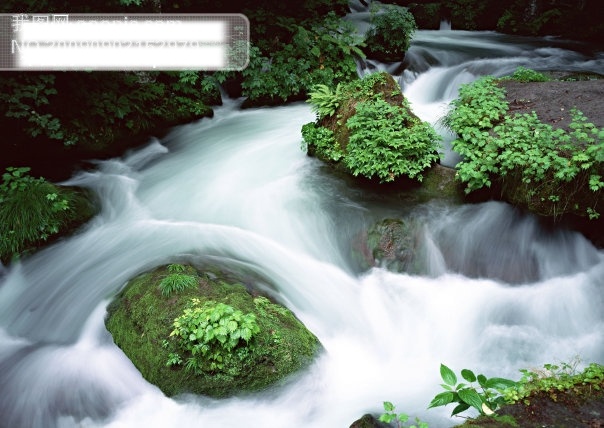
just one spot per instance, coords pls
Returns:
(176, 283)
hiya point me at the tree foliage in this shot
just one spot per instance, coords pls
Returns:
(318, 53)
(391, 32)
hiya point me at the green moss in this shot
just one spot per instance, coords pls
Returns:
(439, 182)
(141, 319)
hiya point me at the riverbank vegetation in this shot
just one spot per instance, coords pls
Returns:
(549, 170)
(34, 211)
(554, 395)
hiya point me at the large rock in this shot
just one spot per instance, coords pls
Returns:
(141, 319)
(366, 128)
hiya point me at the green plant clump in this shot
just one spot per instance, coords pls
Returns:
(551, 171)
(390, 35)
(31, 211)
(321, 53)
(523, 74)
(372, 131)
(215, 336)
(401, 419)
(177, 280)
(486, 397)
(119, 104)
(553, 380)
(325, 102)
(323, 141)
(387, 142)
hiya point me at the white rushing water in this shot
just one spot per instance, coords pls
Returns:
(498, 293)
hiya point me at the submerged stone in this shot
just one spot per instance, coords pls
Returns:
(391, 244)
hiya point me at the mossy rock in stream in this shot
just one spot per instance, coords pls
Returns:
(141, 319)
(366, 128)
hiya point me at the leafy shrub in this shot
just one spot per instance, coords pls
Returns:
(479, 106)
(177, 280)
(321, 54)
(117, 104)
(549, 170)
(387, 142)
(215, 337)
(323, 101)
(486, 400)
(31, 210)
(26, 99)
(322, 141)
(468, 14)
(523, 74)
(390, 36)
(373, 132)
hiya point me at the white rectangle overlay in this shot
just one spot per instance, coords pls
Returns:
(122, 30)
(122, 58)
(152, 42)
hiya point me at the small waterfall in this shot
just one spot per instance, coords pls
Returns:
(445, 25)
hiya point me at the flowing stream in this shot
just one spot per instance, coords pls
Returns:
(497, 292)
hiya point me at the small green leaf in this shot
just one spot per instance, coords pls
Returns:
(470, 397)
(403, 417)
(500, 383)
(387, 417)
(468, 375)
(482, 380)
(447, 375)
(461, 407)
(442, 399)
(388, 406)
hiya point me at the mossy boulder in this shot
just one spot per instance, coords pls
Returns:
(381, 85)
(141, 319)
(368, 421)
(439, 183)
(366, 128)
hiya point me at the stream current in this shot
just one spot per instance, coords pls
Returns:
(497, 293)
